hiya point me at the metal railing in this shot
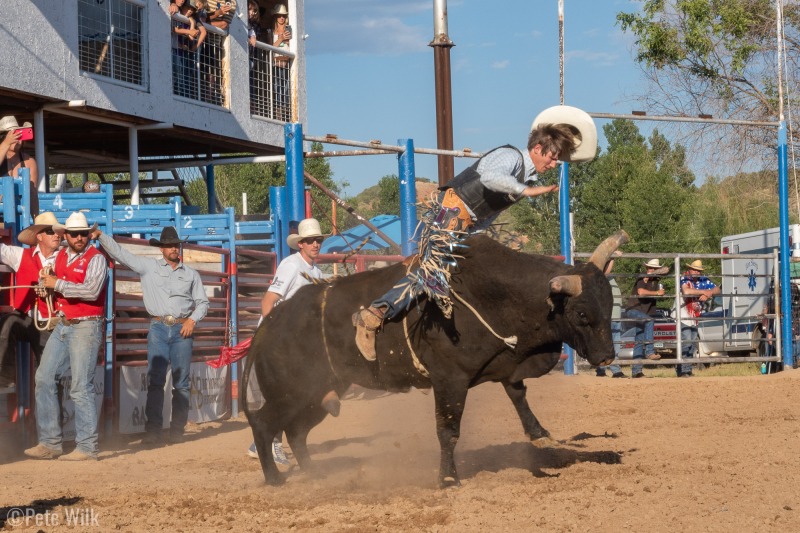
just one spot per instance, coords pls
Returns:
(200, 73)
(724, 328)
(270, 82)
(111, 40)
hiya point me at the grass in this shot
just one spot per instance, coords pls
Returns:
(718, 370)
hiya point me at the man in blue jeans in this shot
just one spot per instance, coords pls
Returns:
(641, 305)
(176, 300)
(79, 287)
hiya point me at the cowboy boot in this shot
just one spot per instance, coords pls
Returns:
(367, 321)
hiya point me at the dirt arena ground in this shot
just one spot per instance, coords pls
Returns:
(700, 454)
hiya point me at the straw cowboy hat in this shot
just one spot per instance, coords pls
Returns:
(658, 268)
(582, 126)
(75, 222)
(279, 9)
(697, 264)
(40, 223)
(169, 237)
(307, 229)
(9, 123)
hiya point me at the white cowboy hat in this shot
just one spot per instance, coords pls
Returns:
(40, 223)
(653, 263)
(9, 123)
(580, 123)
(75, 222)
(697, 264)
(279, 9)
(307, 228)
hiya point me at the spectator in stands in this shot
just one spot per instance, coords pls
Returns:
(253, 22)
(292, 273)
(616, 315)
(222, 16)
(184, 81)
(13, 157)
(191, 10)
(641, 306)
(176, 300)
(20, 324)
(79, 284)
(696, 290)
(279, 35)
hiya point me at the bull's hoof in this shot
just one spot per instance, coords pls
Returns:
(448, 482)
(274, 481)
(544, 442)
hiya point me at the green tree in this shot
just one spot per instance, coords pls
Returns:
(255, 179)
(717, 57)
(640, 187)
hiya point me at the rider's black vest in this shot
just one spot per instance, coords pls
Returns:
(483, 202)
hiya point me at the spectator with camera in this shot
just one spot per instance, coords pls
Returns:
(279, 35)
(13, 157)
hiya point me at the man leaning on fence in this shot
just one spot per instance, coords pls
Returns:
(176, 301)
(696, 289)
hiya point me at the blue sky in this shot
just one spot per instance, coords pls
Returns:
(370, 73)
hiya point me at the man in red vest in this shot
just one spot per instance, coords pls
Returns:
(20, 324)
(80, 287)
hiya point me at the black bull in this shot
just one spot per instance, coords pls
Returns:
(306, 346)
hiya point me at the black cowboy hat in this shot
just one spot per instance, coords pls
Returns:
(168, 236)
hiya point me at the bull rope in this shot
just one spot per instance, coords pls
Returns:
(48, 299)
(322, 327)
(510, 341)
(417, 363)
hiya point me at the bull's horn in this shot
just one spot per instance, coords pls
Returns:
(569, 285)
(603, 252)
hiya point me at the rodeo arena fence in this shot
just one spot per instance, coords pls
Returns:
(215, 242)
(736, 326)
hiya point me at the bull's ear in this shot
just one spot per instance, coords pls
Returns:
(569, 285)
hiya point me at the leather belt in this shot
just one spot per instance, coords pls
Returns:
(169, 320)
(73, 321)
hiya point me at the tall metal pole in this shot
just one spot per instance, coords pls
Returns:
(783, 208)
(444, 100)
(563, 184)
(561, 48)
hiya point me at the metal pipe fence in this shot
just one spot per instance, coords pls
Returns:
(732, 328)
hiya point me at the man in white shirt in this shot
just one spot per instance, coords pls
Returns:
(19, 325)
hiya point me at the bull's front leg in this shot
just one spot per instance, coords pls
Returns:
(517, 391)
(450, 400)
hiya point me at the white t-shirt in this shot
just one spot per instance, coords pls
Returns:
(289, 276)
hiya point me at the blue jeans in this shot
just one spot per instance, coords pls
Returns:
(165, 348)
(616, 334)
(644, 336)
(69, 348)
(688, 341)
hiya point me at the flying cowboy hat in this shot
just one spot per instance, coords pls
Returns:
(582, 126)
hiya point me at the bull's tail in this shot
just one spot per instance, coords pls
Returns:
(248, 367)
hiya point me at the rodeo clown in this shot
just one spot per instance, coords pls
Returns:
(469, 203)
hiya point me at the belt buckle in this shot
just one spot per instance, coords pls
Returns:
(169, 320)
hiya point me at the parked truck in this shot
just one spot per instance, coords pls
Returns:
(746, 286)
